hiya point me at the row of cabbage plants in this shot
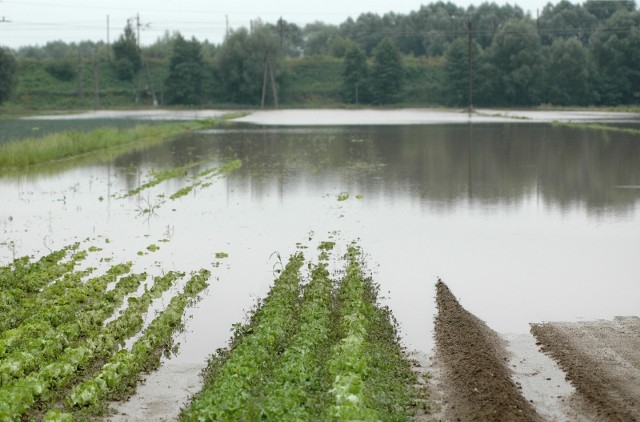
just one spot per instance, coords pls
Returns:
(64, 328)
(316, 349)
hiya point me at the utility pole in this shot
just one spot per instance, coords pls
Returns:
(108, 40)
(469, 70)
(96, 79)
(226, 34)
(138, 26)
(281, 31)
(80, 81)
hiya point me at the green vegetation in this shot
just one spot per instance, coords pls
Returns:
(572, 54)
(319, 350)
(186, 72)
(201, 179)
(161, 176)
(66, 145)
(54, 335)
(8, 67)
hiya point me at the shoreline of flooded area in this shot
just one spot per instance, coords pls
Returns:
(341, 117)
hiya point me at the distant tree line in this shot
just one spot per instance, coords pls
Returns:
(569, 54)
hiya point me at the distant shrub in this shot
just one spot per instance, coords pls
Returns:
(62, 70)
(124, 69)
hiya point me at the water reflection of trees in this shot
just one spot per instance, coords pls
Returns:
(441, 164)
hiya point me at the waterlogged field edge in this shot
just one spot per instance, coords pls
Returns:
(68, 144)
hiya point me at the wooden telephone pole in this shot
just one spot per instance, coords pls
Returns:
(469, 70)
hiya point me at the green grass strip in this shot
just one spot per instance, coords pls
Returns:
(71, 144)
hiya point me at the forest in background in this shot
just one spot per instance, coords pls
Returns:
(568, 55)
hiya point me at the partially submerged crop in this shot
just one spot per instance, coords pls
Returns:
(329, 353)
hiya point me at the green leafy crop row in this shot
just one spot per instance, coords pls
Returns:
(122, 371)
(230, 393)
(330, 353)
(64, 336)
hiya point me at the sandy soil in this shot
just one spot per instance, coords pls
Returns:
(602, 361)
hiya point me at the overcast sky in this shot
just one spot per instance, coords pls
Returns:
(35, 22)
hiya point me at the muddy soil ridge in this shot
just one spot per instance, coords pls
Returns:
(476, 379)
(601, 360)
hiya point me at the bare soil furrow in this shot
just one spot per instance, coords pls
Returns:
(601, 360)
(477, 382)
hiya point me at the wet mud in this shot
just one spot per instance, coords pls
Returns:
(601, 359)
(476, 380)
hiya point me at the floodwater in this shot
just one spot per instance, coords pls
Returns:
(524, 222)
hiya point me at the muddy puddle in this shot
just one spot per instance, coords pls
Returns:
(525, 223)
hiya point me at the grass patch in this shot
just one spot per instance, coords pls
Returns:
(73, 144)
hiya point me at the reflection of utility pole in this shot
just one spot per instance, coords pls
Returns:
(469, 70)
(268, 71)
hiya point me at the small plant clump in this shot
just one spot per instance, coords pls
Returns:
(343, 196)
(315, 350)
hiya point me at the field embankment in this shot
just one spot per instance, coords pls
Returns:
(601, 360)
(477, 381)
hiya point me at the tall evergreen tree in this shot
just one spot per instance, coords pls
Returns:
(515, 57)
(567, 73)
(616, 53)
(242, 60)
(387, 74)
(8, 67)
(128, 59)
(184, 83)
(354, 88)
(456, 68)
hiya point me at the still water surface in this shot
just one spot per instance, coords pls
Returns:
(524, 222)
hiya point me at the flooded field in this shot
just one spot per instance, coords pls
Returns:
(526, 223)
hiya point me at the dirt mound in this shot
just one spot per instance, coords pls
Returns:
(601, 360)
(477, 382)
